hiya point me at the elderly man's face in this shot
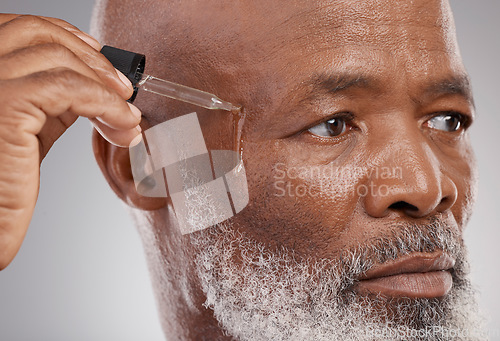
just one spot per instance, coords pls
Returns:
(356, 154)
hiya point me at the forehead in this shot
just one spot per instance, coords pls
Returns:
(260, 30)
(268, 21)
(393, 41)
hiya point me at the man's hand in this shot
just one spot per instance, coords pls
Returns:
(50, 73)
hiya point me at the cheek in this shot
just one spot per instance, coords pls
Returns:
(295, 203)
(464, 174)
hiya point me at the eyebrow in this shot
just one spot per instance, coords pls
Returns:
(454, 85)
(335, 83)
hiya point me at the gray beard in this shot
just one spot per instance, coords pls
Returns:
(274, 295)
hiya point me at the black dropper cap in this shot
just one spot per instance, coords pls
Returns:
(129, 63)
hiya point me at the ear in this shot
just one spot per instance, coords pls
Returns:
(115, 165)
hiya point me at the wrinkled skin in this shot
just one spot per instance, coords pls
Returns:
(278, 61)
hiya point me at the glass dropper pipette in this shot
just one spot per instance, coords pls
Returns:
(183, 93)
(132, 65)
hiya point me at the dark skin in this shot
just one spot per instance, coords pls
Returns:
(282, 69)
(389, 71)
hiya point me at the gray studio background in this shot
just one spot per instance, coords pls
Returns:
(81, 274)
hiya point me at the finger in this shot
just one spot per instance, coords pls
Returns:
(76, 31)
(38, 58)
(25, 31)
(43, 57)
(55, 92)
(120, 138)
(5, 17)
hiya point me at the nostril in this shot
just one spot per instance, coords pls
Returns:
(403, 205)
(445, 203)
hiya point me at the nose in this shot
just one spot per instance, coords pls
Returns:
(410, 182)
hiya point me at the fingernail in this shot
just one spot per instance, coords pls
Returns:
(124, 79)
(136, 141)
(135, 111)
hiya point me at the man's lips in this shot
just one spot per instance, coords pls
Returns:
(416, 275)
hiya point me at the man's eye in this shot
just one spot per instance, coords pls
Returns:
(331, 128)
(447, 122)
